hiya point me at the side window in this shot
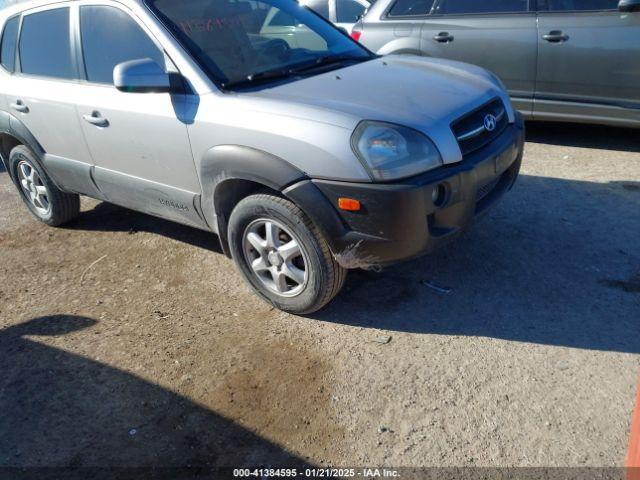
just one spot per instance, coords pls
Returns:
(405, 8)
(348, 11)
(453, 7)
(9, 42)
(109, 37)
(45, 44)
(585, 5)
(321, 7)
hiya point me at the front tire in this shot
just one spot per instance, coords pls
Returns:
(282, 254)
(45, 201)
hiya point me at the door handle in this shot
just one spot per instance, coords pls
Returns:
(96, 119)
(556, 36)
(20, 106)
(444, 37)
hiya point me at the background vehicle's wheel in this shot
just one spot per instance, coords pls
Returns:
(48, 204)
(283, 255)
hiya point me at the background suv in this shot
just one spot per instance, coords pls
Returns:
(574, 60)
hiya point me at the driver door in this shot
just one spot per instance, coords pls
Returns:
(138, 141)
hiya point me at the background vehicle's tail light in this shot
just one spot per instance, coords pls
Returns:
(356, 34)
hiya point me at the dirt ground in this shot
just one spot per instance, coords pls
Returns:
(127, 340)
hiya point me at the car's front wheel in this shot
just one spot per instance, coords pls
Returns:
(283, 255)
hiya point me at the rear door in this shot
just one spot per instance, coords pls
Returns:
(499, 35)
(589, 61)
(41, 92)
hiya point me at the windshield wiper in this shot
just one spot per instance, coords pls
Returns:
(328, 60)
(292, 71)
(260, 77)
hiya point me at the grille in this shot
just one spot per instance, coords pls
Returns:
(470, 130)
(487, 189)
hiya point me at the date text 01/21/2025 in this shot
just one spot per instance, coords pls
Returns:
(316, 473)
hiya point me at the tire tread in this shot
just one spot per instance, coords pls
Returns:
(337, 274)
(65, 206)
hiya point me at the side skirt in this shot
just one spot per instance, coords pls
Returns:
(150, 197)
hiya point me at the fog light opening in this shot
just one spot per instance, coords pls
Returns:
(439, 195)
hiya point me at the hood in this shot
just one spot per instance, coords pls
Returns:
(421, 93)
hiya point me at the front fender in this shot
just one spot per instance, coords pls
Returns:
(227, 168)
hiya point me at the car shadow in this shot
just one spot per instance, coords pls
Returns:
(107, 217)
(67, 411)
(556, 263)
(583, 136)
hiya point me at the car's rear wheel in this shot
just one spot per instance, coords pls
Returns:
(283, 255)
(45, 201)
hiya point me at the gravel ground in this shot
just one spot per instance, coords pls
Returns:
(127, 340)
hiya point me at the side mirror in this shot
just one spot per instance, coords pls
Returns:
(141, 76)
(629, 6)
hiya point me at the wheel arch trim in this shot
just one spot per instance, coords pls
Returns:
(13, 128)
(235, 163)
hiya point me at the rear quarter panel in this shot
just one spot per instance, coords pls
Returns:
(392, 37)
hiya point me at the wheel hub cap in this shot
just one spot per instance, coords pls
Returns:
(275, 257)
(33, 188)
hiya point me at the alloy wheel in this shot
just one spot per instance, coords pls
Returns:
(276, 257)
(33, 188)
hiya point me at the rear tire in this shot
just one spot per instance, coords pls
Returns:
(282, 255)
(45, 201)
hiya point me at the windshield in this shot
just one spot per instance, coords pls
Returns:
(243, 41)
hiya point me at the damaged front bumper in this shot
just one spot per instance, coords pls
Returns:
(401, 220)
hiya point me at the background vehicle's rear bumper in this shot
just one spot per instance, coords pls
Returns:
(399, 221)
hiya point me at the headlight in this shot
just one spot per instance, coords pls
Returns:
(391, 152)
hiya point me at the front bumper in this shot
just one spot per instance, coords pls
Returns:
(399, 221)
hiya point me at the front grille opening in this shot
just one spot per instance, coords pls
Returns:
(472, 133)
(486, 189)
(490, 192)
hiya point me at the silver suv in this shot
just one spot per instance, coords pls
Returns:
(569, 60)
(306, 155)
